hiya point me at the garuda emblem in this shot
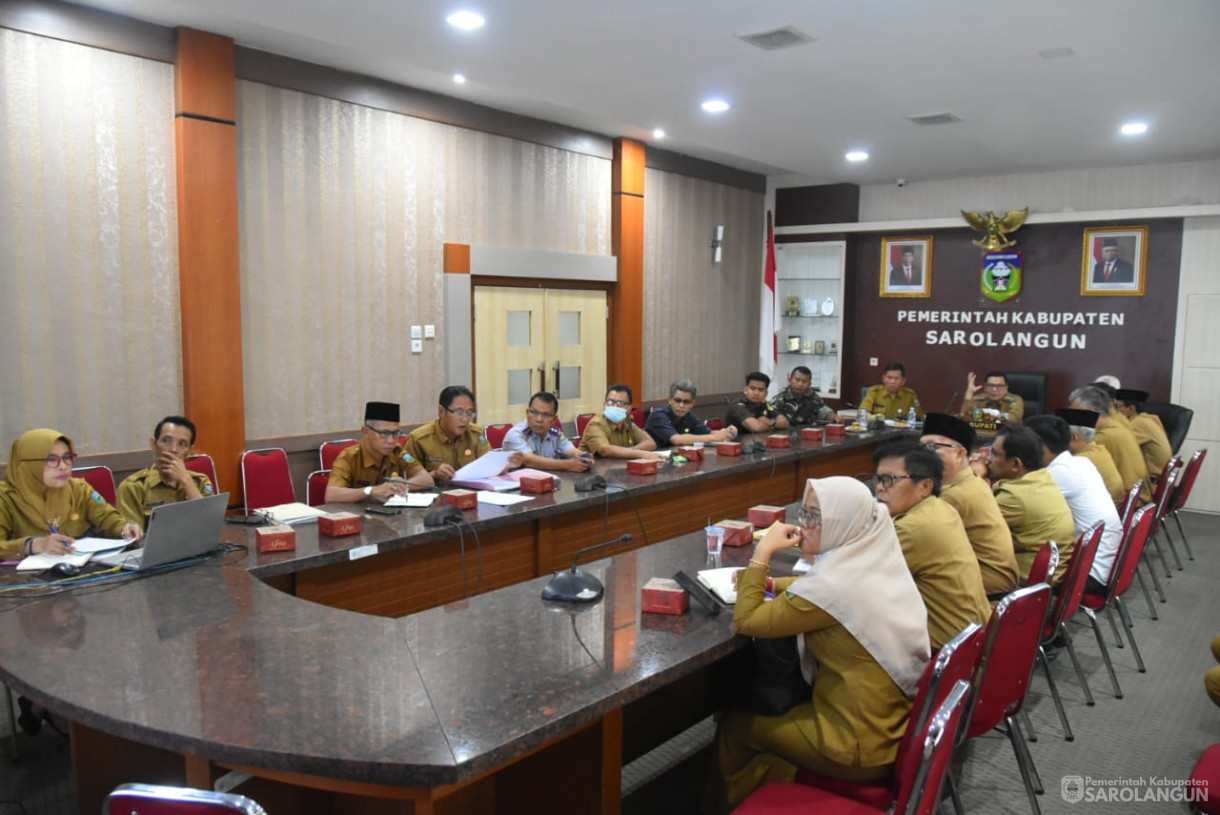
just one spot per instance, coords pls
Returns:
(996, 229)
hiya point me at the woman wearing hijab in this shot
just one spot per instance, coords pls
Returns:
(865, 644)
(42, 508)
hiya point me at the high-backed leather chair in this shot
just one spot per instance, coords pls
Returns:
(1176, 420)
(1030, 387)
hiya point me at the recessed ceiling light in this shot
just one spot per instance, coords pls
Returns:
(458, 78)
(1134, 129)
(857, 155)
(715, 106)
(658, 133)
(465, 20)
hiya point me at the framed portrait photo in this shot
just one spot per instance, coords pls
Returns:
(1113, 262)
(906, 266)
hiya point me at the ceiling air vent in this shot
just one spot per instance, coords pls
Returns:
(777, 38)
(945, 118)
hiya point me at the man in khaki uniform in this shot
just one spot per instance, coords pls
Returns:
(612, 434)
(1117, 439)
(166, 480)
(994, 402)
(933, 539)
(952, 439)
(891, 399)
(376, 468)
(1148, 430)
(452, 441)
(1029, 499)
(1084, 444)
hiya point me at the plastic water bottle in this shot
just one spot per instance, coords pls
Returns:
(862, 418)
(912, 419)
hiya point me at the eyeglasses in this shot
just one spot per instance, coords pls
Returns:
(618, 403)
(995, 386)
(54, 460)
(809, 518)
(536, 414)
(887, 479)
(463, 414)
(385, 434)
(678, 400)
(940, 445)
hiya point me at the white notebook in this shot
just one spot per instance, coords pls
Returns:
(720, 582)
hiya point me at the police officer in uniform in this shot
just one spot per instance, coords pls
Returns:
(752, 413)
(994, 401)
(540, 442)
(377, 467)
(892, 399)
(452, 441)
(166, 480)
(799, 402)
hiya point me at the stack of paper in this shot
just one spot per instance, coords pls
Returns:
(293, 513)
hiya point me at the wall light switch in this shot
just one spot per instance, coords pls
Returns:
(872, 361)
(416, 332)
(417, 346)
(429, 332)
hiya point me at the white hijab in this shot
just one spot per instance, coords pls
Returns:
(864, 582)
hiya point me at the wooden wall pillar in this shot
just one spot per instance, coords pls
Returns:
(205, 110)
(626, 363)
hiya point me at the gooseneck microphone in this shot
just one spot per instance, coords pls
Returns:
(949, 404)
(575, 586)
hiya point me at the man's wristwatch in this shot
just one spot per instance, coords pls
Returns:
(368, 492)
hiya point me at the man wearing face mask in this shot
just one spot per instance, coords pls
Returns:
(613, 434)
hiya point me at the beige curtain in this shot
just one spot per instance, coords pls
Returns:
(344, 211)
(89, 244)
(700, 317)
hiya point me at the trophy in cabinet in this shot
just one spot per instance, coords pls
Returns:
(793, 307)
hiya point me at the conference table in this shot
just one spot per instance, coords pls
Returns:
(469, 696)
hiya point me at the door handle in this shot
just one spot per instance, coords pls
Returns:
(557, 369)
(542, 374)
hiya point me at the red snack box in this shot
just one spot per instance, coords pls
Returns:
(462, 499)
(835, 429)
(762, 516)
(338, 524)
(690, 453)
(278, 538)
(537, 483)
(778, 440)
(664, 596)
(728, 448)
(737, 533)
(811, 434)
(643, 466)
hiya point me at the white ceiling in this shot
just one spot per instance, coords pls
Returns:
(622, 68)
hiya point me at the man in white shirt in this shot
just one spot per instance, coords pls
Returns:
(1085, 492)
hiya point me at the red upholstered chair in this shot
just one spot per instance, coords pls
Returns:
(1206, 776)
(1160, 497)
(918, 795)
(1130, 503)
(1062, 609)
(147, 799)
(101, 478)
(1181, 494)
(315, 487)
(955, 662)
(639, 416)
(1044, 565)
(1013, 636)
(715, 424)
(582, 421)
(496, 434)
(1126, 563)
(265, 478)
(202, 463)
(1126, 513)
(330, 450)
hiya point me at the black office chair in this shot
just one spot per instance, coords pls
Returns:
(1031, 388)
(1176, 420)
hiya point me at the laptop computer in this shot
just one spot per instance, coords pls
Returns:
(175, 532)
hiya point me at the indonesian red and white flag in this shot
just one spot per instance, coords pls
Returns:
(768, 345)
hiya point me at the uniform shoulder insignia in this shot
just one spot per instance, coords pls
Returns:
(554, 432)
(207, 488)
(97, 497)
(482, 437)
(407, 457)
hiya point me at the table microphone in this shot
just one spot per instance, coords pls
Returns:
(949, 404)
(575, 586)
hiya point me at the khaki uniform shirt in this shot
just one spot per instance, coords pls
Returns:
(1154, 444)
(1104, 463)
(429, 445)
(878, 400)
(356, 469)
(599, 433)
(946, 572)
(859, 713)
(143, 490)
(1011, 407)
(1120, 442)
(1036, 512)
(88, 512)
(989, 536)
